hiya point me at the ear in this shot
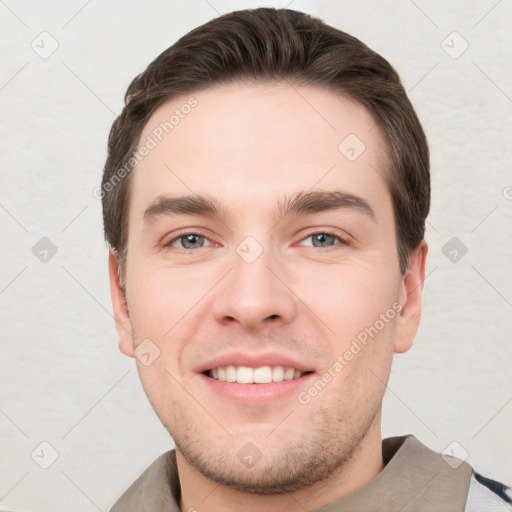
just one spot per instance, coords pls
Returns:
(121, 313)
(410, 299)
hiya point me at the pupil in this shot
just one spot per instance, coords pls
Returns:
(321, 239)
(191, 241)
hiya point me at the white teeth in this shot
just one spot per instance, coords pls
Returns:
(231, 373)
(244, 375)
(278, 374)
(261, 375)
(289, 374)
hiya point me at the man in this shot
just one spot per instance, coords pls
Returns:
(264, 198)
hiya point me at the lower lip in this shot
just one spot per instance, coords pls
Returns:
(257, 394)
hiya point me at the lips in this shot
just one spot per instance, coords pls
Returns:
(254, 361)
(255, 395)
(251, 377)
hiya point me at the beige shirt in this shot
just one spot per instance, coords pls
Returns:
(414, 478)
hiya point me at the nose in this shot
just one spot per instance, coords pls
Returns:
(255, 294)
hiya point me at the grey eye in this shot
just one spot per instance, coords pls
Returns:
(323, 240)
(191, 241)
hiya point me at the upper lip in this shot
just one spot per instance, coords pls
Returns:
(253, 361)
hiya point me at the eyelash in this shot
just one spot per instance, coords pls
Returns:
(168, 245)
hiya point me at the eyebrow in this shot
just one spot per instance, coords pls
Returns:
(300, 203)
(323, 200)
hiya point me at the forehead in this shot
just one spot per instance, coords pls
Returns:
(256, 142)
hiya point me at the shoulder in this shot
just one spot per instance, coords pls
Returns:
(155, 489)
(456, 483)
(487, 495)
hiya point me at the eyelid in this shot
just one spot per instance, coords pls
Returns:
(343, 239)
(167, 242)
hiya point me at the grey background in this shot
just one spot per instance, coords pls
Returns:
(63, 380)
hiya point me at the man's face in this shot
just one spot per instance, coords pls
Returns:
(291, 287)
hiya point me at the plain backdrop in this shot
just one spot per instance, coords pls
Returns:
(63, 381)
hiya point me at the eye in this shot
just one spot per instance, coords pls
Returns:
(188, 241)
(323, 239)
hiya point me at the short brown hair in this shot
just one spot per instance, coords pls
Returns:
(272, 45)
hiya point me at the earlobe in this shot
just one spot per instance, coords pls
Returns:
(120, 308)
(412, 288)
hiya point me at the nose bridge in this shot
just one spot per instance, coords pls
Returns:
(251, 274)
(252, 294)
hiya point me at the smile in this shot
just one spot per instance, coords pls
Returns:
(247, 375)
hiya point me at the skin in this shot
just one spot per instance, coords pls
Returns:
(248, 146)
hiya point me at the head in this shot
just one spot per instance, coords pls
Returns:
(265, 193)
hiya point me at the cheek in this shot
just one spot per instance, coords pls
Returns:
(158, 312)
(167, 306)
(160, 298)
(349, 297)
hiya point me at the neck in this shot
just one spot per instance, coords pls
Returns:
(201, 493)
